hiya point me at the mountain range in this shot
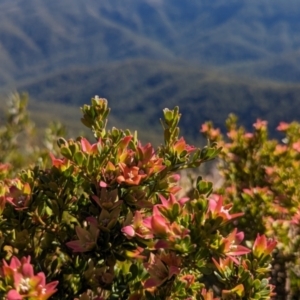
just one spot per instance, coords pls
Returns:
(208, 57)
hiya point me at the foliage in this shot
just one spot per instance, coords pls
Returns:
(260, 179)
(104, 222)
(19, 144)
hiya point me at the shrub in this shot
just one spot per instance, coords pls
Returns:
(104, 222)
(260, 179)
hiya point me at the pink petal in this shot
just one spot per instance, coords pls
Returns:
(15, 263)
(13, 295)
(151, 282)
(85, 145)
(128, 230)
(103, 184)
(159, 225)
(27, 270)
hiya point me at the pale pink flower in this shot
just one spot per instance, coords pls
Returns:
(26, 284)
(217, 209)
(283, 126)
(87, 238)
(262, 246)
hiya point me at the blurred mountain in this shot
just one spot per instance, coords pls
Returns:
(138, 90)
(144, 55)
(38, 37)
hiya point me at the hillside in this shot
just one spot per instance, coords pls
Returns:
(138, 90)
(41, 37)
(151, 54)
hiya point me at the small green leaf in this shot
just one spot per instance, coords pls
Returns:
(61, 142)
(86, 122)
(175, 210)
(168, 114)
(168, 163)
(79, 158)
(90, 165)
(134, 270)
(256, 283)
(66, 152)
(54, 266)
(119, 257)
(204, 187)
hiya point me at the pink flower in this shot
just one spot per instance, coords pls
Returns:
(157, 223)
(171, 201)
(188, 279)
(4, 168)
(217, 209)
(130, 175)
(172, 207)
(214, 133)
(207, 129)
(123, 144)
(14, 266)
(87, 239)
(232, 134)
(161, 268)
(138, 228)
(208, 295)
(19, 194)
(296, 218)
(148, 161)
(260, 124)
(296, 146)
(248, 135)
(231, 244)
(283, 126)
(223, 264)
(61, 164)
(204, 128)
(26, 284)
(86, 147)
(168, 233)
(181, 146)
(280, 149)
(263, 247)
(270, 170)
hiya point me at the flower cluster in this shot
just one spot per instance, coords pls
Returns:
(19, 275)
(105, 222)
(260, 180)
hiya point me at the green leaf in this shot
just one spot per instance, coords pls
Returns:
(119, 257)
(54, 266)
(134, 270)
(168, 114)
(167, 136)
(90, 165)
(86, 122)
(79, 158)
(168, 163)
(256, 283)
(61, 142)
(55, 208)
(66, 152)
(68, 218)
(204, 187)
